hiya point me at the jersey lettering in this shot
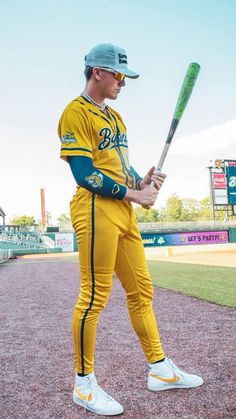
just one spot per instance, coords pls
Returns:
(111, 140)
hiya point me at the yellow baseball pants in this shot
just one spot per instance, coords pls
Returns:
(109, 240)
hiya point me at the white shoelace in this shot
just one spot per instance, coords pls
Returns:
(175, 368)
(99, 391)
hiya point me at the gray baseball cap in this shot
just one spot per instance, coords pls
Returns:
(109, 56)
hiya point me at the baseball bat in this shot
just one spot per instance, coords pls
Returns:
(184, 95)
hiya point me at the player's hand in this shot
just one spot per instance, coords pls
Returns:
(147, 196)
(150, 177)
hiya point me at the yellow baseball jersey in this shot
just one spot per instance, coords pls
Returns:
(86, 131)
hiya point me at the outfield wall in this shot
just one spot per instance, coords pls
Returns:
(185, 238)
(232, 234)
(67, 240)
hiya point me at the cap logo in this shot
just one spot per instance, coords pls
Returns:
(122, 59)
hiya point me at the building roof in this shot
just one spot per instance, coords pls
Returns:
(2, 213)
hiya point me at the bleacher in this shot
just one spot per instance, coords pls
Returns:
(14, 241)
(19, 240)
(21, 243)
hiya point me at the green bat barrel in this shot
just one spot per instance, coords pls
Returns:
(186, 89)
(184, 95)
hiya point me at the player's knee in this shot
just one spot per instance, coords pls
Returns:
(139, 300)
(93, 299)
(140, 308)
(144, 292)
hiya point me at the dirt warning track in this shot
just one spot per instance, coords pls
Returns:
(37, 298)
(215, 255)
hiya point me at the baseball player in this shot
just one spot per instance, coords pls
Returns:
(94, 143)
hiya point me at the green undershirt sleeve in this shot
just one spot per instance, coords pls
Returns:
(92, 179)
(137, 178)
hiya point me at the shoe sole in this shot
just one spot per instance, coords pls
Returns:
(169, 387)
(81, 403)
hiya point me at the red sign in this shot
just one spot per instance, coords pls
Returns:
(219, 180)
(230, 163)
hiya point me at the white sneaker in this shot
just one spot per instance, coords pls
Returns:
(165, 375)
(88, 394)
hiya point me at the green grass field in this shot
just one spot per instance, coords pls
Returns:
(210, 283)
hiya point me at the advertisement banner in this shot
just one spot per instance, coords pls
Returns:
(220, 196)
(218, 180)
(65, 241)
(230, 162)
(231, 183)
(186, 238)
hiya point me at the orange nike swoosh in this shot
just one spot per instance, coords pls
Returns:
(82, 396)
(166, 380)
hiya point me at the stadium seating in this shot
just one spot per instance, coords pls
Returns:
(21, 243)
(9, 240)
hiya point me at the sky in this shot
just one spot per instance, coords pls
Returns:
(43, 44)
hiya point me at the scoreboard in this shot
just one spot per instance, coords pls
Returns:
(223, 185)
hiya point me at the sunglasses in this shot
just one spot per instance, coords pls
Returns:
(117, 76)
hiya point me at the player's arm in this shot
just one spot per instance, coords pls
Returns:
(92, 179)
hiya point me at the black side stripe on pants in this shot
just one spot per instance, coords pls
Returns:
(93, 285)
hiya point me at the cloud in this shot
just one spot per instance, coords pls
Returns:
(215, 138)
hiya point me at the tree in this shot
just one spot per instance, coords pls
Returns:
(146, 216)
(64, 221)
(205, 211)
(173, 211)
(190, 210)
(23, 220)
